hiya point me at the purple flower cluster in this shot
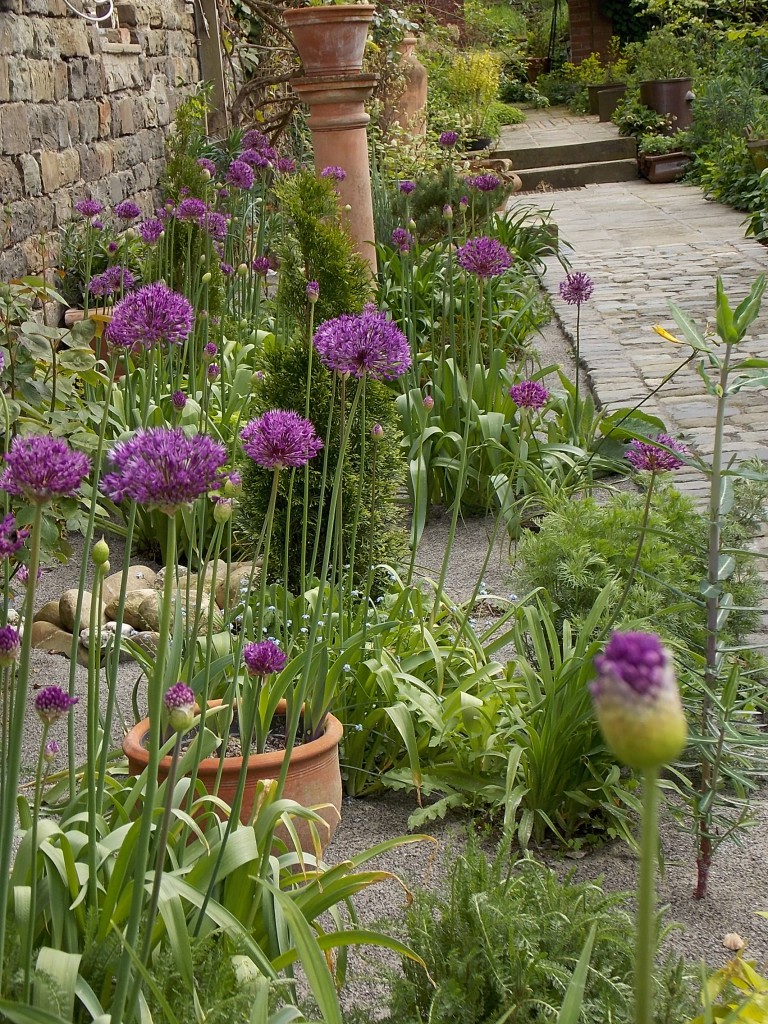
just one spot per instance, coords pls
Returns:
(485, 257)
(164, 468)
(448, 140)
(127, 210)
(258, 160)
(364, 343)
(255, 139)
(207, 165)
(406, 187)
(178, 400)
(333, 172)
(576, 288)
(280, 438)
(215, 224)
(179, 701)
(264, 658)
(42, 468)
(114, 279)
(313, 291)
(483, 182)
(150, 230)
(11, 536)
(10, 646)
(261, 265)
(636, 659)
(89, 207)
(529, 394)
(240, 175)
(150, 315)
(285, 165)
(402, 239)
(51, 703)
(191, 210)
(648, 456)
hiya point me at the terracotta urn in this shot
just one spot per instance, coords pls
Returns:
(410, 108)
(330, 39)
(314, 775)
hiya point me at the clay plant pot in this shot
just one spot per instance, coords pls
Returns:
(758, 151)
(672, 98)
(608, 98)
(314, 775)
(661, 168)
(330, 40)
(536, 66)
(592, 93)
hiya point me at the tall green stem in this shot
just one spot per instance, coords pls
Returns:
(646, 901)
(29, 938)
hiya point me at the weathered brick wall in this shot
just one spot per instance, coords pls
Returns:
(83, 112)
(591, 31)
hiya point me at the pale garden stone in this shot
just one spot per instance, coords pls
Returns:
(49, 613)
(138, 604)
(68, 607)
(48, 637)
(140, 577)
(238, 580)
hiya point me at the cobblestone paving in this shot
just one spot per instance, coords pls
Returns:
(646, 246)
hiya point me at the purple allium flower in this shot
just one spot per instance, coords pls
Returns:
(576, 288)
(164, 468)
(179, 399)
(483, 182)
(255, 139)
(240, 175)
(263, 658)
(215, 224)
(2, 361)
(637, 701)
(191, 210)
(377, 431)
(52, 702)
(97, 225)
(42, 468)
(448, 140)
(151, 315)
(406, 187)
(280, 438)
(51, 751)
(484, 256)
(150, 230)
(529, 394)
(89, 207)
(179, 701)
(402, 239)
(223, 193)
(363, 343)
(428, 403)
(448, 211)
(207, 165)
(285, 165)
(261, 265)
(114, 279)
(10, 646)
(112, 247)
(213, 371)
(259, 160)
(464, 202)
(313, 291)
(210, 350)
(127, 210)
(11, 536)
(227, 269)
(333, 172)
(647, 455)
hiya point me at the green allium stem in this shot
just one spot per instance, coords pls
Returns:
(26, 956)
(646, 900)
(636, 560)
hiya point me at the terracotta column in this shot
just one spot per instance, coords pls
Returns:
(337, 120)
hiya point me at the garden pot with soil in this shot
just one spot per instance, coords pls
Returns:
(330, 40)
(314, 775)
(660, 168)
(672, 98)
(608, 98)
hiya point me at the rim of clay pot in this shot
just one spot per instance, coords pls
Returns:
(133, 746)
(678, 78)
(332, 12)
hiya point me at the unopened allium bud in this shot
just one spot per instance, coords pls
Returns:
(178, 399)
(50, 751)
(202, 257)
(411, 225)
(205, 174)
(377, 431)
(448, 211)
(179, 701)
(213, 371)
(233, 486)
(52, 702)
(206, 278)
(10, 646)
(313, 291)
(100, 552)
(222, 510)
(242, 270)
(428, 403)
(637, 701)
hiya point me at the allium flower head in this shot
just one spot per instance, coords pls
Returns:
(637, 701)
(227, 269)
(529, 394)
(10, 645)
(150, 230)
(377, 431)
(164, 468)
(648, 456)
(178, 399)
(52, 702)
(334, 173)
(215, 224)
(484, 182)
(97, 225)
(576, 288)
(151, 315)
(363, 343)
(448, 140)
(42, 468)
(280, 438)
(259, 160)
(402, 239)
(51, 751)
(255, 139)
(113, 279)
(285, 165)
(313, 291)
(240, 175)
(193, 210)
(261, 265)
(213, 371)
(89, 207)
(485, 257)
(207, 165)
(179, 701)
(464, 202)
(127, 210)
(406, 187)
(11, 536)
(210, 349)
(263, 658)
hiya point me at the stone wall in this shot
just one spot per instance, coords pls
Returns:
(84, 110)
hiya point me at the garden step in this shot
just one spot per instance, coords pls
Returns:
(596, 151)
(576, 175)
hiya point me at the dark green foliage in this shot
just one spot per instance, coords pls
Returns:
(627, 23)
(316, 248)
(584, 548)
(427, 202)
(502, 942)
(283, 387)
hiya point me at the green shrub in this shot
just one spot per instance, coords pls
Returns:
(284, 387)
(502, 942)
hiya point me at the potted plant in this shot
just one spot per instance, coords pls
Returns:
(664, 65)
(470, 85)
(757, 145)
(663, 158)
(330, 38)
